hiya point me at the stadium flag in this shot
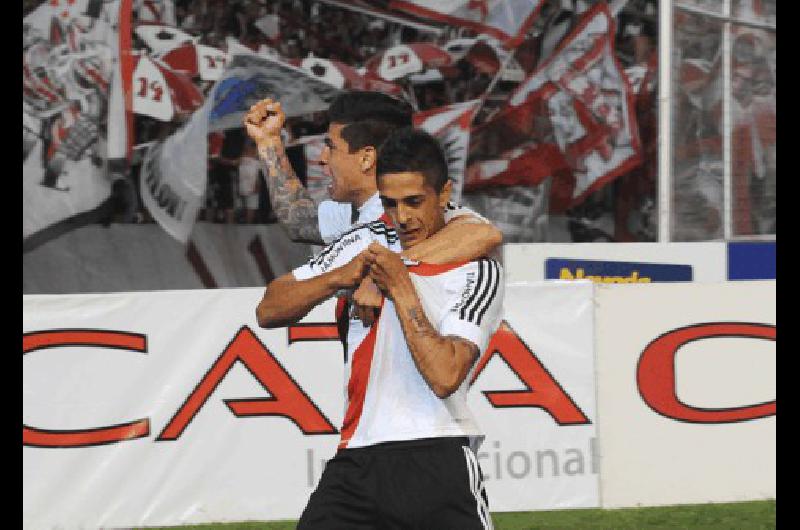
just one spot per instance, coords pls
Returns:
(583, 92)
(174, 174)
(451, 126)
(250, 78)
(507, 20)
(73, 112)
(530, 165)
(516, 147)
(161, 38)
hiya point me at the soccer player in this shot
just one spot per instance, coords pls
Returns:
(406, 458)
(358, 123)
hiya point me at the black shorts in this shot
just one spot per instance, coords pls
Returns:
(433, 484)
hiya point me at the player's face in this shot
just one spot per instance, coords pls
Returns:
(340, 165)
(415, 208)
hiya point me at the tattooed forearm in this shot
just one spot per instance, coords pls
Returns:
(291, 202)
(420, 324)
(442, 361)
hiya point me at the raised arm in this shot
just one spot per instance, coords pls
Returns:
(443, 361)
(464, 238)
(287, 299)
(290, 200)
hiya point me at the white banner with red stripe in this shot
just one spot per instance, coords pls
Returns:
(173, 407)
(584, 94)
(507, 20)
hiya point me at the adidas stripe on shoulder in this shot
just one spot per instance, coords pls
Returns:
(479, 293)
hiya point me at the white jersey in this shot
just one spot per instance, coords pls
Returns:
(335, 218)
(386, 397)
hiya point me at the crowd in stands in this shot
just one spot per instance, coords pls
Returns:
(296, 29)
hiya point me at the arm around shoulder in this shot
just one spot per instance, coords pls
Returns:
(464, 238)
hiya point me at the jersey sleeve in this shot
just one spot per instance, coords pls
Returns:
(475, 309)
(336, 254)
(333, 219)
(453, 210)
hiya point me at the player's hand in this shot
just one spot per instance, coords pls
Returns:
(264, 121)
(350, 275)
(367, 300)
(386, 269)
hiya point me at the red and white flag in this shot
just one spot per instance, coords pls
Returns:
(516, 147)
(507, 20)
(451, 125)
(73, 111)
(584, 94)
(196, 60)
(405, 59)
(529, 164)
(174, 176)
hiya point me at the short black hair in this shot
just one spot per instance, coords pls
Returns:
(415, 151)
(368, 117)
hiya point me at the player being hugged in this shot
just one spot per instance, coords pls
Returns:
(406, 458)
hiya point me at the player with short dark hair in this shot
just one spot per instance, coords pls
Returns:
(407, 457)
(415, 151)
(359, 122)
(368, 117)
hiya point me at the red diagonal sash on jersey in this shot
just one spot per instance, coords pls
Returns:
(357, 386)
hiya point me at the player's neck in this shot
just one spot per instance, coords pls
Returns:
(360, 197)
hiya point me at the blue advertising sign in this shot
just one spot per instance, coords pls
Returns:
(751, 260)
(615, 271)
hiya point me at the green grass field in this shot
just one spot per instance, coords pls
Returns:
(735, 516)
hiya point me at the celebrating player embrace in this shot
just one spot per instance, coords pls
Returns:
(406, 458)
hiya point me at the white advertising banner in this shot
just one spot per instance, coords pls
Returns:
(686, 393)
(614, 263)
(173, 407)
(535, 399)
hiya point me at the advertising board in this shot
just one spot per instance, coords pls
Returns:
(173, 407)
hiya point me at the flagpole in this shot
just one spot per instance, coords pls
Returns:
(494, 81)
(665, 122)
(500, 72)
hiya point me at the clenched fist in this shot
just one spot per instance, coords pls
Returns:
(264, 121)
(367, 301)
(387, 271)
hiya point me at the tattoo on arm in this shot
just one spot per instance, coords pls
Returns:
(291, 201)
(420, 323)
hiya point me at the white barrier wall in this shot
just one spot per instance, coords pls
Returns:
(686, 392)
(167, 408)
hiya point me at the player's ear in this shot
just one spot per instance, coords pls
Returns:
(444, 195)
(368, 158)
